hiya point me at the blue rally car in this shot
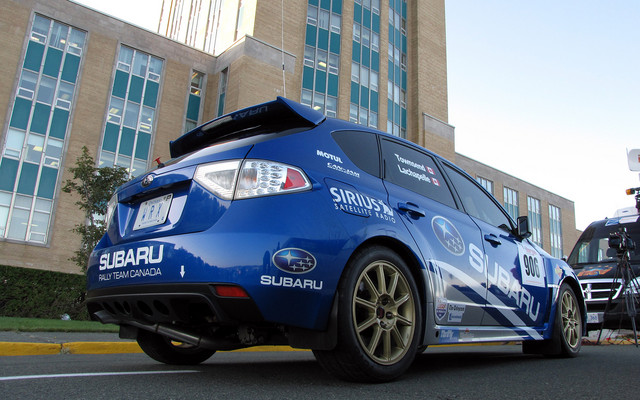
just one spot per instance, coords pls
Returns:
(276, 225)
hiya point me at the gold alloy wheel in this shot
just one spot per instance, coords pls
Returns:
(571, 325)
(383, 312)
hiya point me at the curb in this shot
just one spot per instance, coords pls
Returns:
(42, 349)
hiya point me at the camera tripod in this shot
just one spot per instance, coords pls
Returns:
(630, 289)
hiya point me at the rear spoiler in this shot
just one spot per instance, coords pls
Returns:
(271, 115)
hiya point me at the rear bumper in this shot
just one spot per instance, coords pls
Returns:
(183, 304)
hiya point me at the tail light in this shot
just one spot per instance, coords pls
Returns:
(253, 178)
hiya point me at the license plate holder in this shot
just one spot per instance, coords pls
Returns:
(153, 212)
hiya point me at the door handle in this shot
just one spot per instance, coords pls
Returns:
(411, 209)
(493, 239)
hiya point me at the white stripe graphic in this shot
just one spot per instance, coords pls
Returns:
(505, 310)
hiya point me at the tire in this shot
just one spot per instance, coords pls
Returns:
(379, 319)
(164, 350)
(567, 329)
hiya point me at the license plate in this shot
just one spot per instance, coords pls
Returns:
(593, 318)
(153, 212)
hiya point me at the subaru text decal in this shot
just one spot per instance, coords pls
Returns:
(294, 261)
(448, 235)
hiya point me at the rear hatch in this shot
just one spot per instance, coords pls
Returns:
(176, 203)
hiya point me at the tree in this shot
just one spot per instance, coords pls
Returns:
(94, 186)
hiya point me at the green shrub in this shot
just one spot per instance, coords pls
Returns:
(31, 293)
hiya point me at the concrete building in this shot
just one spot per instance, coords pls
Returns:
(73, 77)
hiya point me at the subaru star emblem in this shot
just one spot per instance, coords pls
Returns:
(448, 235)
(147, 180)
(295, 261)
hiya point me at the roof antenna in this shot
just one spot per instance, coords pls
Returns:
(284, 82)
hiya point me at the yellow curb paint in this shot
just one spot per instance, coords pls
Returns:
(28, 349)
(100, 347)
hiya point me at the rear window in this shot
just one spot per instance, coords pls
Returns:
(361, 148)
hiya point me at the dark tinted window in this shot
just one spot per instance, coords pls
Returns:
(416, 171)
(476, 201)
(361, 148)
(593, 245)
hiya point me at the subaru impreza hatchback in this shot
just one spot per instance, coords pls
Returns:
(276, 225)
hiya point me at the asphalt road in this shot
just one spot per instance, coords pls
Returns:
(472, 372)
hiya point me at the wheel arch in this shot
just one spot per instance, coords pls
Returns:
(415, 264)
(577, 290)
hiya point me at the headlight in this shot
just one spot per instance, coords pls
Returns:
(634, 286)
(254, 178)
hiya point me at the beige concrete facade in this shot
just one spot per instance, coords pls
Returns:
(254, 65)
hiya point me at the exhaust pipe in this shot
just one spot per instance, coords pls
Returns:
(179, 335)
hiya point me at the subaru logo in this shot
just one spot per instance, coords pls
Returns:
(448, 235)
(147, 180)
(294, 261)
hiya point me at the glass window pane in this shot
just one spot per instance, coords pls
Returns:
(124, 161)
(15, 141)
(146, 119)
(106, 159)
(65, 94)
(140, 64)
(125, 57)
(131, 115)
(46, 90)
(35, 145)
(4, 214)
(18, 226)
(306, 97)
(138, 167)
(323, 19)
(76, 41)
(53, 152)
(196, 81)
(58, 35)
(155, 68)
(40, 28)
(115, 110)
(322, 60)
(28, 81)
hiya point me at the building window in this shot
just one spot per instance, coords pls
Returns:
(321, 65)
(132, 107)
(397, 71)
(36, 135)
(511, 202)
(222, 90)
(555, 231)
(365, 64)
(485, 183)
(194, 100)
(535, 220)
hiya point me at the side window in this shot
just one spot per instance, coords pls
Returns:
(361, 148)
(476, 202)
(415, 171)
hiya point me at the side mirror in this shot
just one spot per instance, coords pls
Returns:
(523, 227)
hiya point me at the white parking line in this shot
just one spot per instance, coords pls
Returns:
(82, 375)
